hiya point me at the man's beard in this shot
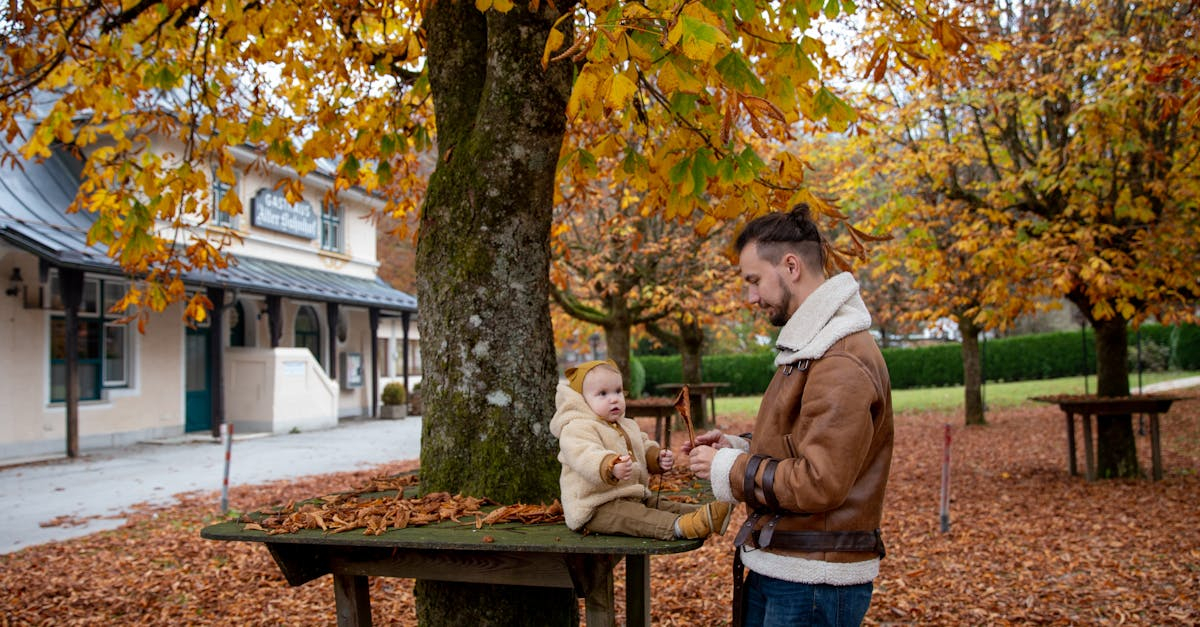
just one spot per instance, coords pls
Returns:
(780, 315)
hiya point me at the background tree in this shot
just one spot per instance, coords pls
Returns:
(360, 83)
(610, 263)
(951, 256)
(1092, 140)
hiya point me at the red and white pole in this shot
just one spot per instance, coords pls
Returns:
(945, 517)
(227, 440)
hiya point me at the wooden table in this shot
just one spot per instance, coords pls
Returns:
(1093, 406)
(700, 391)
(662, 410)
(521, 555)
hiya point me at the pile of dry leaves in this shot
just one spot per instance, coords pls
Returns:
(356, 509)
(1028, 544)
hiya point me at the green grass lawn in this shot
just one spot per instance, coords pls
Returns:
(949, 398)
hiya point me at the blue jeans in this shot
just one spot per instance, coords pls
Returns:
(776, 603)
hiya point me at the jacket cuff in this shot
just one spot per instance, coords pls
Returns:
(722, 466)
(652, 460)
(606, 469)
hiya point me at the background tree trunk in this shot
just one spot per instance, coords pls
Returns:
(1116, 449)
(690, 344)
(617, 341)
(972, 371)
(1116, 452)
(483, 283)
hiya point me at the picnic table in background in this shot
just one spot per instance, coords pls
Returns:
(662, 410)
(699, 392)
(1089, 406)
(540, 555)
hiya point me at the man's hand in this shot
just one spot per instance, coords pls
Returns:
(701, 458)
(623, 470)
(714, 438)
(666, 459)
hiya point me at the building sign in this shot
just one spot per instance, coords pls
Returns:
(271, 210)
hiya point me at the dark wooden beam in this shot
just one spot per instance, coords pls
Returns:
(373, 316)
(331, 322)
(70, 282)
(216, 360)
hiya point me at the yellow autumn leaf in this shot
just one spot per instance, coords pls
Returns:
(414, 49)
(620, 90)
(553, 42)
(584, 91)
(996, 49)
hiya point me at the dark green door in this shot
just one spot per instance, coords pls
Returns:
(197, 381)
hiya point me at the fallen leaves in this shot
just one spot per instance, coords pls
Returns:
(339, 513)
(347, 511)
(67, 521)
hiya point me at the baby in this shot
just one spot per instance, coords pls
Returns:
(607, 461)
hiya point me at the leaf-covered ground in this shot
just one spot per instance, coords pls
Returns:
(1028, 545)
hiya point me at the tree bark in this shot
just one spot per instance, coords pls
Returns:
(1116, 451)
(617, 334)
(972, 372)
(690, 344)
(483, 283)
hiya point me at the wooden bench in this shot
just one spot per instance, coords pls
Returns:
(547, 555)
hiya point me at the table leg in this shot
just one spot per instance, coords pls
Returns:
(353, 596)
(1087, 447)
(1155, 449)
(712, 400)
(592, 578)
(637, 590)
(1071, 444)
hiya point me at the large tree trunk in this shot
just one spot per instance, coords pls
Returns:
(483, 283)
(972, 372)
(1116, 452)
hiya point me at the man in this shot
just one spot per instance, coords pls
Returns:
(814, 473)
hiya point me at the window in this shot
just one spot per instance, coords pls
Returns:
(308, 331)
(89, 359)
(220, 190)
(105, 358)
(331, 227)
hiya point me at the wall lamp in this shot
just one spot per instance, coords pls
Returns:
(15, 282)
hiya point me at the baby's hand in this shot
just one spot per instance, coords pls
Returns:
(666, 459)
(624, 468)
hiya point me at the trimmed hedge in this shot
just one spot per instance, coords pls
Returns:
(746, 373)
(1022, 358)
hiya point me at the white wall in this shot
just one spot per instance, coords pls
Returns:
(276, 391)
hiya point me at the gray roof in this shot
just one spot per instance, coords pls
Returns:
(34, 197)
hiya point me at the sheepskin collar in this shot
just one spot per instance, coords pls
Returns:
(833, 311)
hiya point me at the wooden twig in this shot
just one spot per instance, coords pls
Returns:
(683, 405)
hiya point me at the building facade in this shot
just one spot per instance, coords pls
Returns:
(293, 343)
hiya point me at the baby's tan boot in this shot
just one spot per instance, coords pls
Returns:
(713, 517)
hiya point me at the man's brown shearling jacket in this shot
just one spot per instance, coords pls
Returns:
(829, 422)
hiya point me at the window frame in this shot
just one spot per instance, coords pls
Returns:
(332, 235)
(220, 189)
